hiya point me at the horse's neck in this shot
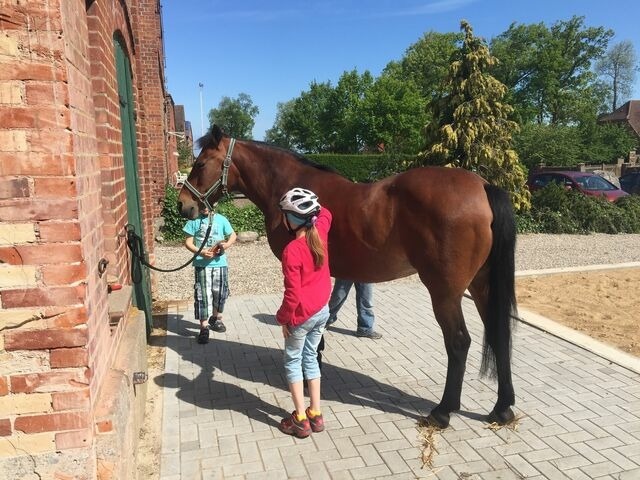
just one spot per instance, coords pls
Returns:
(264, 181)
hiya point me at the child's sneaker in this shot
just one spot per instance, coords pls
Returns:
(203, 336)
(216, 325)
(316, 423)
(292, 426)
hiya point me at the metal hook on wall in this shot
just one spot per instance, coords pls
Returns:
(102, 266)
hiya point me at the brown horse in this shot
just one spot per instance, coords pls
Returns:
(448, 225)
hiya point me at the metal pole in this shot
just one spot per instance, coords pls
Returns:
(201, 85)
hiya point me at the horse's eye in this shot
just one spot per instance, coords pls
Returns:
(198, 165)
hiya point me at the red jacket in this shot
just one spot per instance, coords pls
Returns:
(306, 288)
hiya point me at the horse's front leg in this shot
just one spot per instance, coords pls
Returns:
(448, 312)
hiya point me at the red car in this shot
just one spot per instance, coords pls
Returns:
(583, 182)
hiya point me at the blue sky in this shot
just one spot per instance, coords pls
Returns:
(273, 50)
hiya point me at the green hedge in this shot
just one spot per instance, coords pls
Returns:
(242, 219)
(173, 221)
(556, 210)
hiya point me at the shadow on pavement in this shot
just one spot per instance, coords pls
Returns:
(254, 365)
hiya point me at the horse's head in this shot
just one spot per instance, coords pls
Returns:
(207, 180)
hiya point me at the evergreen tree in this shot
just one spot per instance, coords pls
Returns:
(471, 127)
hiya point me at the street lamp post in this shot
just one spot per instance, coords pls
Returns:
(201, 85)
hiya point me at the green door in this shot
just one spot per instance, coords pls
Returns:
(140, 273)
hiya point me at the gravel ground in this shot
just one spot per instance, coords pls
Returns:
(253, 269)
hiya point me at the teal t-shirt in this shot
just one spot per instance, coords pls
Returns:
(220, 231)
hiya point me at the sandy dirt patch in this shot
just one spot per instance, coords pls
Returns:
(602, 304)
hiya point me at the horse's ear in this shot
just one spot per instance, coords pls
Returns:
(217, 133)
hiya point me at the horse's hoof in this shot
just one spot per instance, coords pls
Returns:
(438, 419)
(501, 418)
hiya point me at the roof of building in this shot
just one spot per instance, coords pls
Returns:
(628, 113)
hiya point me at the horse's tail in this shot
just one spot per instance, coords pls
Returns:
(502, 295)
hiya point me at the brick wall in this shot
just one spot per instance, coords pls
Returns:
(152, 136)
(49, 234)
(62, 208)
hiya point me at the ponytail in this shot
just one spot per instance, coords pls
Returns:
(315, 245)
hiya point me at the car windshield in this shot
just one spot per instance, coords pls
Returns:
(594, 182)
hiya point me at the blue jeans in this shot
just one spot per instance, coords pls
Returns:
(301, 348)
(364, 303)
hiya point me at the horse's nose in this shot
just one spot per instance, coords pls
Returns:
(179, 205)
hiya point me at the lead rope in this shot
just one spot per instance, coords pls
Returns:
(136, 245)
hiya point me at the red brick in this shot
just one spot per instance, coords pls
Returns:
(39, 209)
(42, 297)
(42, 254)
(44, 339)
(43, 93)
(75, 439)
(59, 231)
(63, 275)
(69, 318)
(51, 422)
(33, 12)
(69, 357)
(4, 387)
(35, 117)
(55, 187)
(14, 188)
(104, 426)
(40, 164)
(78, 400)
(47, 382)
(31, 71)
(5, 427)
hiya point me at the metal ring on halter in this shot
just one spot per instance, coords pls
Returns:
(222, 181)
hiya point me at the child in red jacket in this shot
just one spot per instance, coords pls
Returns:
(304, 311)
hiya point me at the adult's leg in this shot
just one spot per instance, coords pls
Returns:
(338, 297)
(364, 307)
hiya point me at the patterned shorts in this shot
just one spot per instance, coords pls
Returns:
(210, 291)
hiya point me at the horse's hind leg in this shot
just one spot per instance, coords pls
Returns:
(502, 412)
(448, 312)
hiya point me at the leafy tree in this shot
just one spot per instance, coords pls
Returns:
(549, 144)
(426, 62)
(185, 154)
(345, 126)
(277, 134)
(307, 123)
(606, 143)
(549, 69)
(393, 115)
(568, 145)
(472, 130)
(618, 66)
(236, 116)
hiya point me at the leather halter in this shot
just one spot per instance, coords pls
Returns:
(221, 182)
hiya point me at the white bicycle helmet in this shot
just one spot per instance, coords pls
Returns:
(300, 202)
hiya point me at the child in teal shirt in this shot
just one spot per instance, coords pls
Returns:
(211, 285)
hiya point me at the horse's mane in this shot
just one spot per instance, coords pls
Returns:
(209, 141)
(299, 157)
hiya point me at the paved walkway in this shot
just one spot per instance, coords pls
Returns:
(223, 401)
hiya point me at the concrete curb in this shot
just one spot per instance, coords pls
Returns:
(584, 268)
(572, 336)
